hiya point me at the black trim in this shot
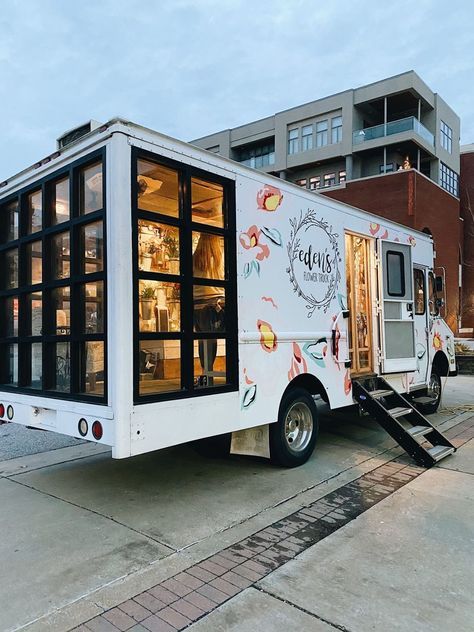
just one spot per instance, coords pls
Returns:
(401, 258)
(186, 335)
(76, 337)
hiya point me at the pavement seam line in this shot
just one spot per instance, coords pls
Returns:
(301, 609)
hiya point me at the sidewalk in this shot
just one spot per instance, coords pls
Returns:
(391, 550)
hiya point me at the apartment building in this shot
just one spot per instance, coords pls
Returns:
(390, 147)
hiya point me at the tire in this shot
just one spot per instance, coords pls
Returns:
(213, 447)
(434, 390)
(294, 435)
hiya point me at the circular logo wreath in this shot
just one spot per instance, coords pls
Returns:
(313, 251)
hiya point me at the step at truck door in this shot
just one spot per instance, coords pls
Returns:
(396, 292)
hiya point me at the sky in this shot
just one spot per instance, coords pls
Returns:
(188, 68)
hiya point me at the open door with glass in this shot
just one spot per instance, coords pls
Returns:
(359, 303)
(396, 293)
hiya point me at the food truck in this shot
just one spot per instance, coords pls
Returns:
(153, 293)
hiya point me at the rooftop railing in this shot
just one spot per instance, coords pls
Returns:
(409, 124)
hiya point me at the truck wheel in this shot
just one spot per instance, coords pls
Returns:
(293, 436)
(434, 391)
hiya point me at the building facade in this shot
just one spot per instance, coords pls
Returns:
(467, 215)
(351, 145)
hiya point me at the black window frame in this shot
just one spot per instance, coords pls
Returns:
(401, 258)
(185, 278)
(76, 280)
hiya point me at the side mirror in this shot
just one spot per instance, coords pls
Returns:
(439, 283)
(439, 302)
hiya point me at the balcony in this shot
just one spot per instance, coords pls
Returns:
(410, 124)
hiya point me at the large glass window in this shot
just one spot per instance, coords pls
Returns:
(419, 285)
(446, 137)
(185, 295)
(321, 133)
(307, 137)
(448, 179)
(52, 285)
(336, 129)
(293, 141)
(257, 156)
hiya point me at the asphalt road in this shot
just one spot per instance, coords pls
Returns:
(17, 440)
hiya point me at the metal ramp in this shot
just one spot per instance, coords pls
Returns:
(401, 420)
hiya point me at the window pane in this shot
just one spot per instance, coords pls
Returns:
(208, 256)
(395, 278)
(61, 298)
(61, 256)
(157, 188)
(61, 202)
(92, 368)
(10, 269)
(209, 308)
(209, 363)
(36, 366)
(419, 283)
(159, 306)
(92, 248)
(35, 262)
(62, 363)
(9, 316)
(158, 247)
(35, 305)
(91, 189)
(9, 365)
(159, 366)
(94, 307)
(35, 212)
(207, 202)
(9, 222)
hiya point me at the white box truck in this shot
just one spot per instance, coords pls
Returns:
(153, 293)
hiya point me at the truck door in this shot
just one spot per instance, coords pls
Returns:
(396, 294)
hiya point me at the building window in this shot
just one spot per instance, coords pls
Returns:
(329, 179)
(302, 183)
(342, 176)
(53, 285)
(419, 284)
(448, 179)
(336, 129)
(293, 141)
(257, 156)
(395, 273)
(446, 137)
(386, 168)
(315, 182)
(321, 133)
(307, 137)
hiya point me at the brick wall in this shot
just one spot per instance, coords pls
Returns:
(467, 213)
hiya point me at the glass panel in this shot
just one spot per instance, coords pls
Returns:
(419, 283)
(61, 207)
(92, 248)
(159, 306)
(157, 188)
(61, 256)
(10, 271)
(10, 365)
(61, 298)
(91, 189)
(10, 316)
(158, 247)
(92, 368)
(62, 363)
(35, 212)
(395, 281)
(159, 366)
(207, 202)
(35, 303)
(35, 262)
(9, 222)
(94, 308)
(209, 308)
(36, 379)
(208, 256)
(209, 363)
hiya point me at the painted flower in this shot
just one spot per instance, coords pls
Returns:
(251, 239)
(384, 235)
(269, 198)
(298, 363)
(268, 338)
(347, 382)
(374, 228)
(411, 240)
(437, 341)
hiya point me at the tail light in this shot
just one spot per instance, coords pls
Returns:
(10, 412)
(97, 430)
(2, 410)
(83, 427)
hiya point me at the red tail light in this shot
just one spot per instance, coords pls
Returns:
(2, 410)
(97, 430)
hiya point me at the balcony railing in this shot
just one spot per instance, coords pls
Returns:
(409, 124)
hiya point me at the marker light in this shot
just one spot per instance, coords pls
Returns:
(97, 430)
(2, 410)
(10, 412)
(83, 427)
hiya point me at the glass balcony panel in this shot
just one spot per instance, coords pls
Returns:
(408, 124)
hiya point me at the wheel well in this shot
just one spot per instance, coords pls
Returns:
(441, 364)
(310, 384)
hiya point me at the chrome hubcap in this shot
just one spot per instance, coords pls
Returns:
(434, 387)
(298, 427)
